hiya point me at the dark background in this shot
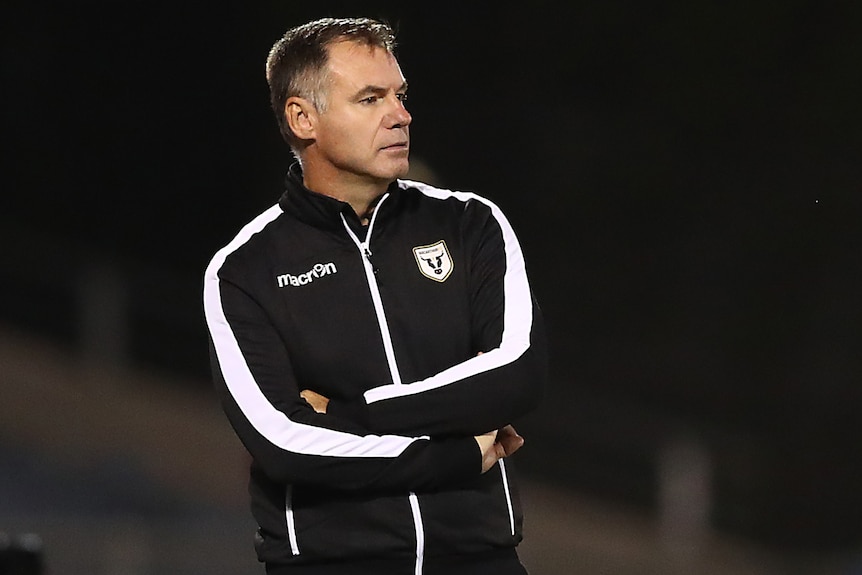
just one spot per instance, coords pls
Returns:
(684, 178)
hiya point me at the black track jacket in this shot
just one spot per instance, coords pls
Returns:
(386, 320)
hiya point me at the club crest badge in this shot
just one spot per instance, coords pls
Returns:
(434, 261)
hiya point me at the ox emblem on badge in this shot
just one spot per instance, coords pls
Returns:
(434, 261)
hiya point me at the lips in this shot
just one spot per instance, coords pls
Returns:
(396, 146)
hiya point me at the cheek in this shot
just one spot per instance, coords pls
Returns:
(352, 135)
(338, 140)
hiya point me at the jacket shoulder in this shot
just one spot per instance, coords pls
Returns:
(245, 245)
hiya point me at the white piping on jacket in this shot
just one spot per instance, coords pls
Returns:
(420, 534)
(509, 506)
(291, 525)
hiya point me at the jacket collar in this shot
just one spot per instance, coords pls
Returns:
(319, 210)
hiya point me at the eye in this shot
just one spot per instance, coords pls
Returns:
(402, 96)
(368, 100)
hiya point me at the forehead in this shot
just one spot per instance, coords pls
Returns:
(353, 65)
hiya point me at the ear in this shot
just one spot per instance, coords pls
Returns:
(301, 117)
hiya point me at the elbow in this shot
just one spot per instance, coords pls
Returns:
(533, 380)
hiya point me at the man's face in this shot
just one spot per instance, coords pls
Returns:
(363, 135)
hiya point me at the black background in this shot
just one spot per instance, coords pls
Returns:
(684, 178)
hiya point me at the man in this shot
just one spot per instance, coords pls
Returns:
(373, 338)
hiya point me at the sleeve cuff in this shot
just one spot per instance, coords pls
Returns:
(355, 411)
(460, 461)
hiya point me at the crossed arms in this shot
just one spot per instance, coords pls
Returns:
(424, 435)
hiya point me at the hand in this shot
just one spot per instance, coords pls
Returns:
(492, 451)
(510, 440)
(315, 400)
(495, 445)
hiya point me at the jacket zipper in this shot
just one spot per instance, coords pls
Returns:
(365, 251)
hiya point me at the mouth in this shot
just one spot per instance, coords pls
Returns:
(397, 147)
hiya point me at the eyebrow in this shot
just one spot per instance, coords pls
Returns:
(371, 90)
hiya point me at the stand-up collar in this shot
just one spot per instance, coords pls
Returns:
(320, 210)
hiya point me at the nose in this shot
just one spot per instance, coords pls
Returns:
(399, 117)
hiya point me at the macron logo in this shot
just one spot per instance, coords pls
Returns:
(318, 271)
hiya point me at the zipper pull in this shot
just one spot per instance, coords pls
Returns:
(367, 253)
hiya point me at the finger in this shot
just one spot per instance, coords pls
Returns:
(511, 445)
(510, 440)
(486, 441)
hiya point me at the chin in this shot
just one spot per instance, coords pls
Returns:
(403, 168)
(394, 172)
